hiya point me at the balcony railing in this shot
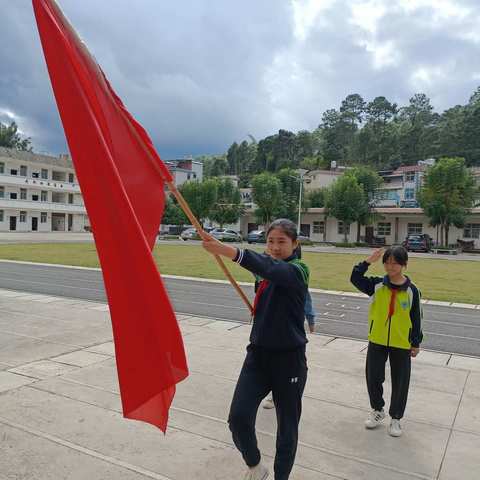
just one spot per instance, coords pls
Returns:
(6, 203)
(41, 183)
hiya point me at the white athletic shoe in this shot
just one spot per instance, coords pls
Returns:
(260, 472)
(395, 429)
(268, 403)
(374, 419)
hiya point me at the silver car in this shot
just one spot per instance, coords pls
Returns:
(226, 235)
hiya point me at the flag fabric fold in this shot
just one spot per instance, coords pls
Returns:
(122, 181)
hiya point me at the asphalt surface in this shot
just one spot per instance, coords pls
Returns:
(446, 329)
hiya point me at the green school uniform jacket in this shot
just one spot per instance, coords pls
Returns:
(395, 313)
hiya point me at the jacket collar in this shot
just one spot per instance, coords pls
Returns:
(389, 284)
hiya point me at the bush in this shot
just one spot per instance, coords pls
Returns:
(345, 245)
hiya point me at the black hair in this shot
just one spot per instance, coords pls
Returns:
(286, 226)
(399, 254)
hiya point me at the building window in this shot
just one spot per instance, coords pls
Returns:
(13, 171)
(44, 174)
(44, 196)
(70, 198)
(319, 227)
(409, 194)
(23, 217)
(35, 198)
(341, 229)
(13, 195)
(23, 194)
(2, 167)
(1, 215)
(384, 229)
(410, 177)
(415, 228)
(71, 177)
(43, 217)
(23, 170)
(35, 175)
(381, 195)
(2, 192)
(471, 230)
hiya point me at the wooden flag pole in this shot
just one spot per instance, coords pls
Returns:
(188, 212)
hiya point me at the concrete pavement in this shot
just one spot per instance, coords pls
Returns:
(59, 406)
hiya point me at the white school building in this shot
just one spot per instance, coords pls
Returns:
(39, 193)
(392, 224)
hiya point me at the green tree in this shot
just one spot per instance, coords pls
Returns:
(228, 207)
(264, 158)
(369, 181)
(448, 194)
(315, 198)
(380, 113)
(10, 138)
(332, 145)
(267, 194)
(346, 201)
(415, 124)
(290, 183)
(200, 196)
(214, 165)
(232, 159)
(173, 214)
(353, 110)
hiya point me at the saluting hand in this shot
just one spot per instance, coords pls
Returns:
(376, 255)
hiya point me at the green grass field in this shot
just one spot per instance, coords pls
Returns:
(439, 279)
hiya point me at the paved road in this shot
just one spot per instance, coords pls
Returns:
(455, 330)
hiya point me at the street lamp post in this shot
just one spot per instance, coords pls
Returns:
(302, 172)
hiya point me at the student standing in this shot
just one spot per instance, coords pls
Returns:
(275, 360)
(395, 332)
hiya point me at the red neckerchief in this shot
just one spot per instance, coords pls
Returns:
(391, 307)
(263, 285)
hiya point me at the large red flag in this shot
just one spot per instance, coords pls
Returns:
(122, 181)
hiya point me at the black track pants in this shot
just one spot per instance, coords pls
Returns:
(400, 367)
(284, 373)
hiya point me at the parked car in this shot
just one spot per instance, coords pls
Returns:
(420, 242)
(225, 235)
(190, 234)
(256, 236)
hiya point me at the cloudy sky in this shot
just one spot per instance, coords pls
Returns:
(200, 74)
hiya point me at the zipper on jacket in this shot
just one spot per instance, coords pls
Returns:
(389, 320)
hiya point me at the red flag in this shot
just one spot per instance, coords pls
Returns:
(122, 181)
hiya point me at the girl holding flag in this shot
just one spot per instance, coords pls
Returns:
(275, 360)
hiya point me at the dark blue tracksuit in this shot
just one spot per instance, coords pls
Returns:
(275, 360)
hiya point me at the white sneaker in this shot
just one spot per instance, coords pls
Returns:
(374, 419)
(260, 472)
(268, 403)
(395, 429)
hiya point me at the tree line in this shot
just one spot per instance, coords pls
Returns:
(378, 133)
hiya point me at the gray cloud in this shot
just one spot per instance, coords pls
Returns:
(199, 74)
